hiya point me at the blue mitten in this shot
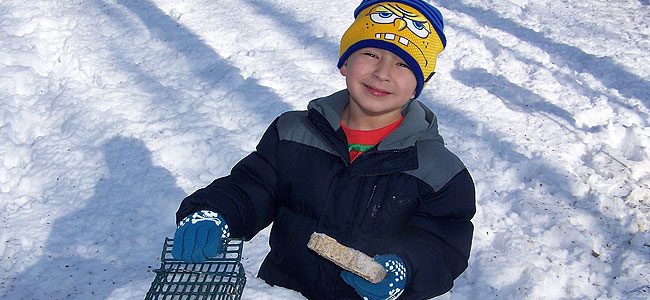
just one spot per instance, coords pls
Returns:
(388, 289)
(200, 236)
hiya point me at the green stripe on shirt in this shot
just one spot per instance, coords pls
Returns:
(359, 147)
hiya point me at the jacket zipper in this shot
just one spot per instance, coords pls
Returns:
(373, 152)
(372, 194)
(364, 213)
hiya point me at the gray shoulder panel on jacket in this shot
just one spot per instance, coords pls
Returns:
(293, 126)
(436, 164)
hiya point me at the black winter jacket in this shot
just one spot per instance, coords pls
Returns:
(408, 196)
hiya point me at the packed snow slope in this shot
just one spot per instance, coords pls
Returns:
(112, 111)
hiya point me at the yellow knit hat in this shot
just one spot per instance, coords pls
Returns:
(412, 29)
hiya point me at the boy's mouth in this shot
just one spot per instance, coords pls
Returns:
(376, 91)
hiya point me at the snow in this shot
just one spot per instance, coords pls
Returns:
(112, 111)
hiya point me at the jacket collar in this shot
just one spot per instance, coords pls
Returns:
(419, 122)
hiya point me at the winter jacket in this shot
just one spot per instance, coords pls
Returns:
(408, 196)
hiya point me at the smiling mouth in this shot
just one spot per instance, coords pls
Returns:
(375, 91)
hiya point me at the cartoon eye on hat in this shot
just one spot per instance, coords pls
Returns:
(383, 15)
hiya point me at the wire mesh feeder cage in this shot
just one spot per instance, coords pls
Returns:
(221, 277)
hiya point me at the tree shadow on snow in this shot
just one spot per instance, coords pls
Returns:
(203, 60)
(604, 69)
(495, 47)
(112, 241)
(513, 96)
(302, 31)
(534, 173)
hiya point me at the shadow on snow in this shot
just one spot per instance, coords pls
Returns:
(205, 62)
(604, 69)
(119, 231)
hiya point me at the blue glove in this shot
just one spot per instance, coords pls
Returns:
(388, 289)
(200, 236)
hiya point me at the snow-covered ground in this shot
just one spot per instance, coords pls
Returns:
(112, 111)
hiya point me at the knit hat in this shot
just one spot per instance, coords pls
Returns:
(411, 29)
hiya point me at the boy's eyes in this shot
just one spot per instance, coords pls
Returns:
(370, 54)
(399, 64)
(404, 65)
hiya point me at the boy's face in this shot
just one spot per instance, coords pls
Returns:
(379, 82)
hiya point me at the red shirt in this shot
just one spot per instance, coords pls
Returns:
(360, 141)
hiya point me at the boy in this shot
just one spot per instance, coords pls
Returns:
(365, 166)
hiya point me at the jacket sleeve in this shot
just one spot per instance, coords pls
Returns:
(437, 241)
(247, 197)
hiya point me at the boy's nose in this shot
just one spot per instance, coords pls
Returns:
(382, 72)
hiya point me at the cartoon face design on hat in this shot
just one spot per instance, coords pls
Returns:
(400, 28)
(403, 26)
